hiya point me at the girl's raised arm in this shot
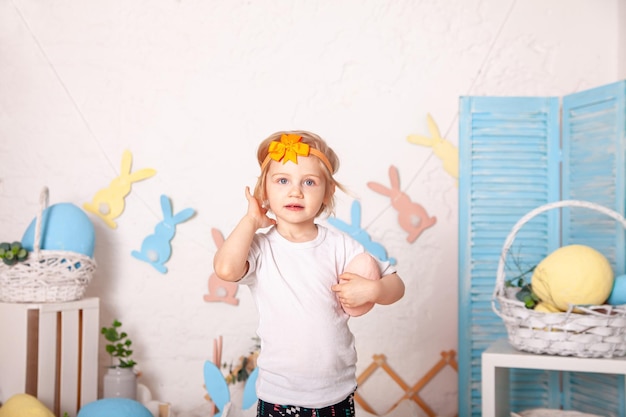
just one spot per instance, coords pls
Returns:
(230, 261)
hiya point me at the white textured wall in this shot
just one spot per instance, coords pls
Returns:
(621, 19)
(191, 87)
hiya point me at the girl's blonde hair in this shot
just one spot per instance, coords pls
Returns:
(315, 142)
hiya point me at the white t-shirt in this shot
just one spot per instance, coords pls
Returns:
(307, 354)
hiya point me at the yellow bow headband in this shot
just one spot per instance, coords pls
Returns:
(288, 149)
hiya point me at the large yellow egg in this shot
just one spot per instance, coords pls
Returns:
(24, 405)
(546, 308)
(574, 274)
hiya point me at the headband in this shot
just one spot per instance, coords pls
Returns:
(288, 149)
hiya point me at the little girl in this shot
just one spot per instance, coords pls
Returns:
(307, 363)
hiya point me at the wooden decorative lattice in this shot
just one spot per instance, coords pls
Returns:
(410, 392)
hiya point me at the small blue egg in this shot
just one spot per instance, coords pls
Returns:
(64, 227)
(618, 293)
(114, 407)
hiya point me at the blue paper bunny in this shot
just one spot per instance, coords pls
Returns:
(359, 234)
(217, 388)
(156, 249)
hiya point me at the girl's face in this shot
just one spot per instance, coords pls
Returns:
(296, 191)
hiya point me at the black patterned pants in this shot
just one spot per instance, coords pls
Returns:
(344, 408)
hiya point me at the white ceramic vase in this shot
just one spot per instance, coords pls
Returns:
(120, 382)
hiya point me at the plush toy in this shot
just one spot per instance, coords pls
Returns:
(367, 267)
(24, 405)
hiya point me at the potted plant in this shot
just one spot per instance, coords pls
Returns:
(120, 379)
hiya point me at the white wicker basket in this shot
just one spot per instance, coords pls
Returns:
(594, 331)
(46, 276)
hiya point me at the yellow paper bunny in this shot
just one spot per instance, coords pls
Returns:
(443, 149)
(108, 203)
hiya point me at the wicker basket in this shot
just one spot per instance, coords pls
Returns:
(46, 276)
(593, 331)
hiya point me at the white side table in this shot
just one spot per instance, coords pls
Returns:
(498, 358)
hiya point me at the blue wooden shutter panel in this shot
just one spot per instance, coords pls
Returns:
(508, 156)
(510, 163)
(594, 140)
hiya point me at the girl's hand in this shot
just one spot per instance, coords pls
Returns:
(355, 290)
(257, 213)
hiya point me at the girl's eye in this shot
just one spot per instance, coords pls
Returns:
(309, 183)
(282, 181)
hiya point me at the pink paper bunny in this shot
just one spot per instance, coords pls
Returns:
(412, 216)
(220, 290)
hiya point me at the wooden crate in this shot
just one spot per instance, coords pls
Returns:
(51, 352)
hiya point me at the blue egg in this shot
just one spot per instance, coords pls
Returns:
(114, 407)
(64, 227)
(618, 293)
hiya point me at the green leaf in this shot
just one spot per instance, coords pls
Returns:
(11, 253)
(529, 302)
(15, 247)
(119, 346)
(10, 262)
(22, 254)
(110, 334)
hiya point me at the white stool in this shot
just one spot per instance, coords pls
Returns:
(498, 358)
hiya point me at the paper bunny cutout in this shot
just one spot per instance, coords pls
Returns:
(443, 149)
(156, 249)
(217, 388)
(220, 290)
(354, 229)
(412, 216)
(108, 203)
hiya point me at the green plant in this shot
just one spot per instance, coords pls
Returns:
(12, 253)
(525, 294)
(241, 372)
(119, 346)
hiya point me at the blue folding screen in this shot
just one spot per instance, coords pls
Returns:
(517, 153)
